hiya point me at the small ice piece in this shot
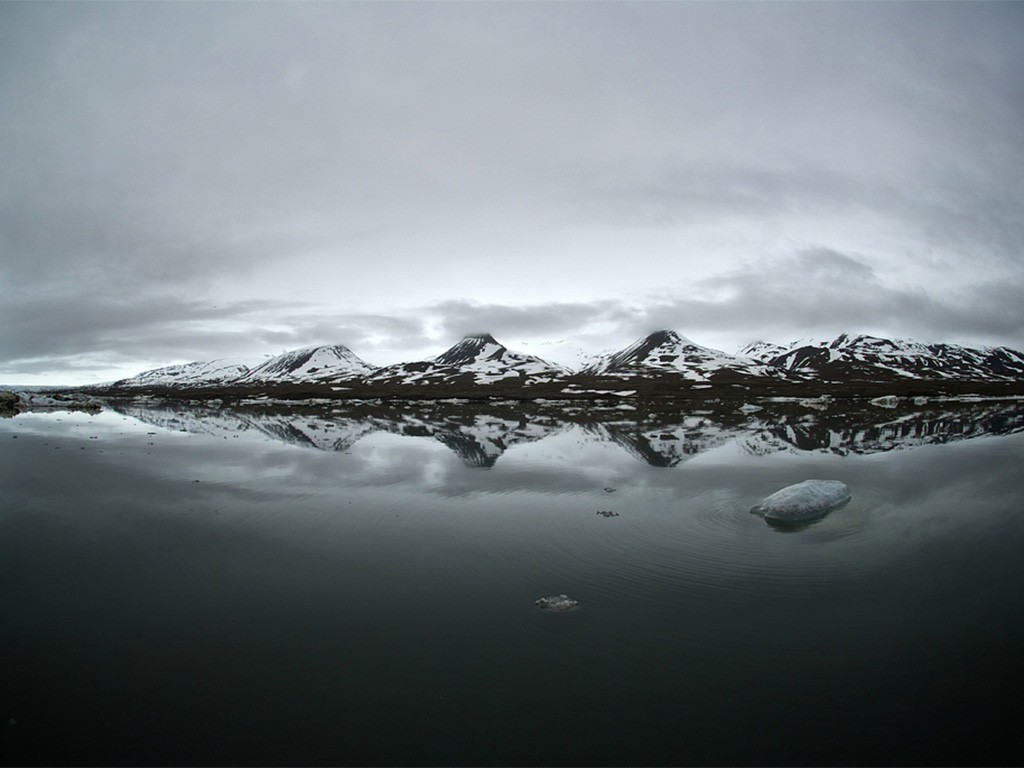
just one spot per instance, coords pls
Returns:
(557, 603)
(808, 500)
(750, 408)
(886, 401)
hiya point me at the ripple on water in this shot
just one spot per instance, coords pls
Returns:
(714, 546)
(714, 576)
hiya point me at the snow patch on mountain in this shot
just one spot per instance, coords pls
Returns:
(761, 350)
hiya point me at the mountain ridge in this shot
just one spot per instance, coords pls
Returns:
(860, 357)
(662, 363)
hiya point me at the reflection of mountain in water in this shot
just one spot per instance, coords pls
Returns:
(843, 434)
(662, 442)
(324, 431)
(478, 439)
(480, 434)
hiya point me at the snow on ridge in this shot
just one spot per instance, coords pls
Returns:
(761, 350)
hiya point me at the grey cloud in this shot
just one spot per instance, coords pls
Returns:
(941, 208)
(458, 318)
(36, 337)
(816, 291)
(156, 155)
(363, 333)
(821, 291)
(141, 325)
(672, 191)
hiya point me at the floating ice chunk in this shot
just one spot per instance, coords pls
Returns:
(818, 403)
(749, 408)
(808, 500)
(557, 603)
(886, 401)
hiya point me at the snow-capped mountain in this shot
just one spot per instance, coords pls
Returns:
(316, 364)
(329, 363)
(198, 374)
(668, 352)
(869, 358)
(477, 359)
(661, 364)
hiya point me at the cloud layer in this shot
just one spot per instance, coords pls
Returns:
(188, 181)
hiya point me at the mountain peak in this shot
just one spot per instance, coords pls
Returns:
(483, 338)
(664, 336)
(473, 347)
(658, 344)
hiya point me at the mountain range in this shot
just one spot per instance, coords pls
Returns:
(864, 358)
(662, 363)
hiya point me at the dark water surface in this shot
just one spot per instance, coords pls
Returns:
(182, 587)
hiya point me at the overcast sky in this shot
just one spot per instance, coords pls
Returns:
(191, 181)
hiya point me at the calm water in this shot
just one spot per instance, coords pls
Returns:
(203, 587)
